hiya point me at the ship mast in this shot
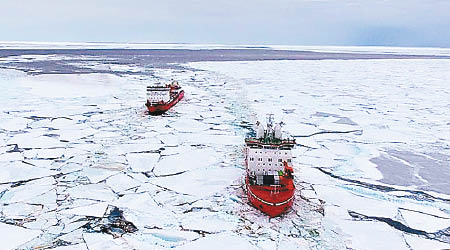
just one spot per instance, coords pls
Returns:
(269, 131)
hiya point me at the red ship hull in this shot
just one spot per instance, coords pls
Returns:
(270, 199)
(161, 108)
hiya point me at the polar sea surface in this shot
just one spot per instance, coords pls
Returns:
(84, 167)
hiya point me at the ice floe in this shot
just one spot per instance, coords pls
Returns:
(142, 162)
(18, 171)
(229, 241)
(16, 235)
(201, 182)
(99, 192)
(189, 160)
(95, 210)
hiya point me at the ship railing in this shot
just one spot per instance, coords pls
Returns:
(160, 88)
(275, 143)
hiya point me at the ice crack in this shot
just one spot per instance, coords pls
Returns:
(418, 195)
(441, 235)
(329, 132)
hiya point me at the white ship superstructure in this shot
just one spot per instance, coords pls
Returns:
(265, 155)
(158, 93)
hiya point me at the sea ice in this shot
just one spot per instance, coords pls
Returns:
(95, 210)
(16, 236)
(14, 123)
(80, 246)
(120, 183)
(426, 222)
(30, 191)
(142, 162)
(87, 145)
(190, 160)
(19, 171)
(227, 241)
(99, 241)
(71, 85)
(99, 192)
(201, 182)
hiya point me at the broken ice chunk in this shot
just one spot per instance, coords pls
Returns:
(220, 241)
(28, 191)
(99, 192)
(13, 156)
(182, 162)
(99, 241)
(186, 125)
(121, 182)
(142, 162)
(200, 182)
(95, 210)
(15, 236)
(19, 171)
(14, 123)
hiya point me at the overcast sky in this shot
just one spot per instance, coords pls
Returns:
(285, 22)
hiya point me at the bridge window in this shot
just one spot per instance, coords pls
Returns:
(280, 160)
(288, 160)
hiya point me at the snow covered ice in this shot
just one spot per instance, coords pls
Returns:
(84, 167)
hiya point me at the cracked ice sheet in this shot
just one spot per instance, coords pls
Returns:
(201, 182)
(19, 171)
(81, 246)
(217, 106)
(99, 241)
(71, 85)
(142, 210)
(372, 235)
(40, 191)
(428, 223)
(142, 162)
(95, 210)
(220, 241)
(340, 96)
(98, 192)
(190, 160)
(35, 140)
